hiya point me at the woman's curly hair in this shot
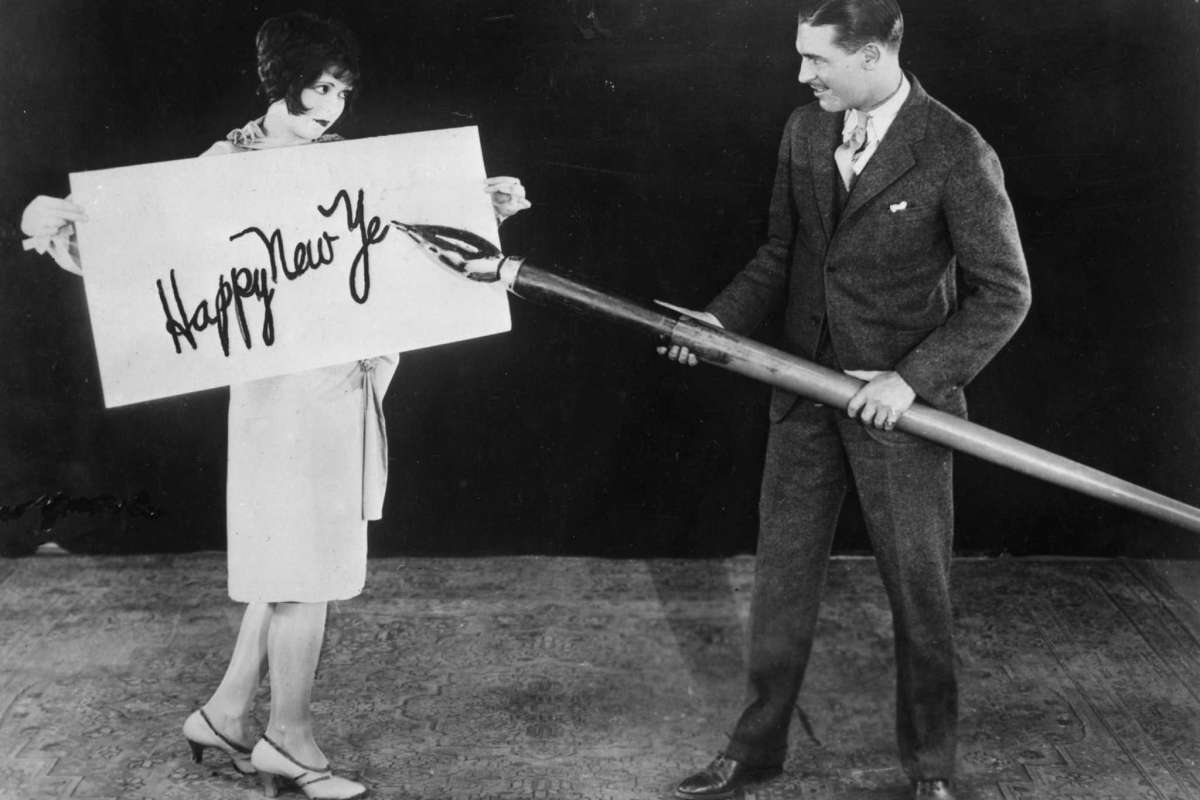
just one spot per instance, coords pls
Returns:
(295, 49)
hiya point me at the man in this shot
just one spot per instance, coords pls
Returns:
(893, 251)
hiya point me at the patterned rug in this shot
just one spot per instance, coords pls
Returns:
(588, 679)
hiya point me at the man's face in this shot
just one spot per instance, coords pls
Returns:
(838, 79)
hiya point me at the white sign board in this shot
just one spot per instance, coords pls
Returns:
(211, 271)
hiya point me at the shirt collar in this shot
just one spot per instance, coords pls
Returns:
(882, 117)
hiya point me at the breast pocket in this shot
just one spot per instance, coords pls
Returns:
(908, 212)
(907, 228)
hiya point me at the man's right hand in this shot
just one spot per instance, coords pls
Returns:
(678, 352)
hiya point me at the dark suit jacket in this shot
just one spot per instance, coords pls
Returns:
(930, 203)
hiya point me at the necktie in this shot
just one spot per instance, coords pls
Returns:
(851, 149)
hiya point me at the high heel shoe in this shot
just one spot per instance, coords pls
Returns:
(201, 733)
(272, 762)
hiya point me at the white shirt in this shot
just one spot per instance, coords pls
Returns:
(878, 122)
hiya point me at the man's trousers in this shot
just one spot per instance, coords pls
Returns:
(905, 487)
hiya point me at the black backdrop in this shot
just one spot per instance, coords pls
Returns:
(645, 131)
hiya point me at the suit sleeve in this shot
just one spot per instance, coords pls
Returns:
(994, 280)
(761, 286)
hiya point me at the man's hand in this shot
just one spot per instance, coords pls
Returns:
(678, 352)
(882, 400)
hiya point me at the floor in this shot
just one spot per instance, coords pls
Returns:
(582, 679)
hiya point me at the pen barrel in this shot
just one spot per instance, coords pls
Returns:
(812, 381)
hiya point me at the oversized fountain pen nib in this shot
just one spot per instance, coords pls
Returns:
(467, 254)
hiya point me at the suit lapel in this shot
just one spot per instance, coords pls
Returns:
(821, 146)
(894, 156)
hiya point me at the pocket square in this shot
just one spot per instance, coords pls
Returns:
(903, 204)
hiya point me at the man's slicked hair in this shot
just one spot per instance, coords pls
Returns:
(858, 22)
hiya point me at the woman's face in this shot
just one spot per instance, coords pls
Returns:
(324, 101)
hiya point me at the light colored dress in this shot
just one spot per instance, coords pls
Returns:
(307, 469)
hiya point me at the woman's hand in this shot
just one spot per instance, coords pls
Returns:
(51, 216)
(508, 196)
(49, 222)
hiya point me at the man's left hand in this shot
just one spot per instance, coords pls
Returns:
(882, 400)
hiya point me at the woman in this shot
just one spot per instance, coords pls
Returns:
(292, 545)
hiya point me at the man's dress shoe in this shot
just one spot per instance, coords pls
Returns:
(933, 790)
(723, 777)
